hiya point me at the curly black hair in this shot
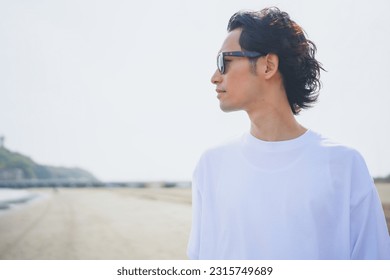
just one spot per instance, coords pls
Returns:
(272, 31)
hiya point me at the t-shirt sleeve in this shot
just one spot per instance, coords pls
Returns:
(194, 240)
(368, 230)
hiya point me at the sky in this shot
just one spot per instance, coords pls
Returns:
(122, 88)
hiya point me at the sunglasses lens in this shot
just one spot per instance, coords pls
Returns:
(220, 64)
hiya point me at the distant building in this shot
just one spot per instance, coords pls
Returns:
(154, 185)
(11, 174)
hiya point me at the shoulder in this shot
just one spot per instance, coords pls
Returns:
(216, 156)
(347, 168)
(337, 151)
(212, 160)
(222, 150)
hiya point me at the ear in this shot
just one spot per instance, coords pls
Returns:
(271, 65)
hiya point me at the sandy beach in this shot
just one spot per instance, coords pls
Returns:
(98, 224)
(104, 223)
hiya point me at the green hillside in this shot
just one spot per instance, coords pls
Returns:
(14, 166)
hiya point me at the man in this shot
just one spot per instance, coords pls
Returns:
(281, 191)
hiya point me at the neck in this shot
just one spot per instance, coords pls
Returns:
(275, 125)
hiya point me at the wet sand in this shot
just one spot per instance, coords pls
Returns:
(105, 223)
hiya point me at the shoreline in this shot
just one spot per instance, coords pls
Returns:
(11, 198)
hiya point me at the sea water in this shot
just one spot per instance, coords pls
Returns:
(11, 197)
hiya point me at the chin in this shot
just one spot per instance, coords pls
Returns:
(228, 109)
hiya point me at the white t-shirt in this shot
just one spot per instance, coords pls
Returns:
(306, 198)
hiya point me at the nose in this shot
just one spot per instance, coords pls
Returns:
(216, 78)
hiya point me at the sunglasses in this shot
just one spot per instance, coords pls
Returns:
(221, 58)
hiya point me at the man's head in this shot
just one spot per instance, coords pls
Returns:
(281, 45)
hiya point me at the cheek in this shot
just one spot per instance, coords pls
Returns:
(237, 78)
(239, 82)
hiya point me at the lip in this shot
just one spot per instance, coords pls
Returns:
(219, 92)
